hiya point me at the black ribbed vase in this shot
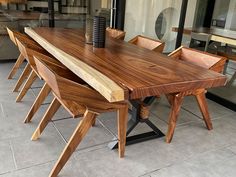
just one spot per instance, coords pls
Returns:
(99, 31)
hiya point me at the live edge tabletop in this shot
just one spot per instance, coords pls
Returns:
(122, 71)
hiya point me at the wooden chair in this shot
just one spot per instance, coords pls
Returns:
(77, 99)
(53, 63)
(148, 43)
(27, 50)
(115, 33)
(12, 35)
(200, 37)
(201, 59)
(27, 70)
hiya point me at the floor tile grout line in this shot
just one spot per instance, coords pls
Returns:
(91, 147)
(24, 168)
(103, 125)
(3, 112)
(188, 158)
(58, 131)
(13, 154)
(64, 118)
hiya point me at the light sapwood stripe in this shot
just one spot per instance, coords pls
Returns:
(223, 40)
(105, 86)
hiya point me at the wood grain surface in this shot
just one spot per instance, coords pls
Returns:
(121, 70)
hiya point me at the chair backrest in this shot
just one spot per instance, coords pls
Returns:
(201, 37)
(67, 89)
(15, 34)
(27, 50)
(148, 43)
(115, 33)
(196, 57)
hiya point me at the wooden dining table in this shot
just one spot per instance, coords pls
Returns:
(123, 71)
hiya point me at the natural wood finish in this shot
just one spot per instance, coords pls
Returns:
(74, 96)
(52, 109)
(148, 43)
(177, 100)
(74, 141)
(29, 49)
(198, 58)
(144, 111)
(29, 52)
(121, 70)
(110, 90)
(16, 66)
(122, 115)
(37, 103)
(22, 78)
(13, 35)
(202, 103)
(32, 77)
(115, 33)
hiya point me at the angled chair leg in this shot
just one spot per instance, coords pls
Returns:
(74, 141)
(37, 103)
(122, 115)
(16, 66)
(201, 99)
(23, 76)
(27, 85)
(94, 122)
(52, 109)
(231, 80)
(175, 108)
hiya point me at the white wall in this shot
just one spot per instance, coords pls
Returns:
(141, 15)
(221, 9)
(231, 16)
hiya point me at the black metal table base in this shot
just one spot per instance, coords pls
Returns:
(134, 121)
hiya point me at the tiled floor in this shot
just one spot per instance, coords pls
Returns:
(194, 151)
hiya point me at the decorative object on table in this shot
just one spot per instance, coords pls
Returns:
(99, 31)
(89, 30)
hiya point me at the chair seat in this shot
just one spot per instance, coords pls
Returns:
(75, 109)
(148, 43)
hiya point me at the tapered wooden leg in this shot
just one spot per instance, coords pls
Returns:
(94, 122)
(122, 126)
(27, 85)
(23, 76)
(231, 81)
(74, 141)
(52, 109)
(175, 108)
(37, 103)
(170, 98)
(201, 99)
(16, 66)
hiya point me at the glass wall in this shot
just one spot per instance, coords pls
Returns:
(72, 13)
(223, 20)
(156, 19)
(17, 14)
(224, 17)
